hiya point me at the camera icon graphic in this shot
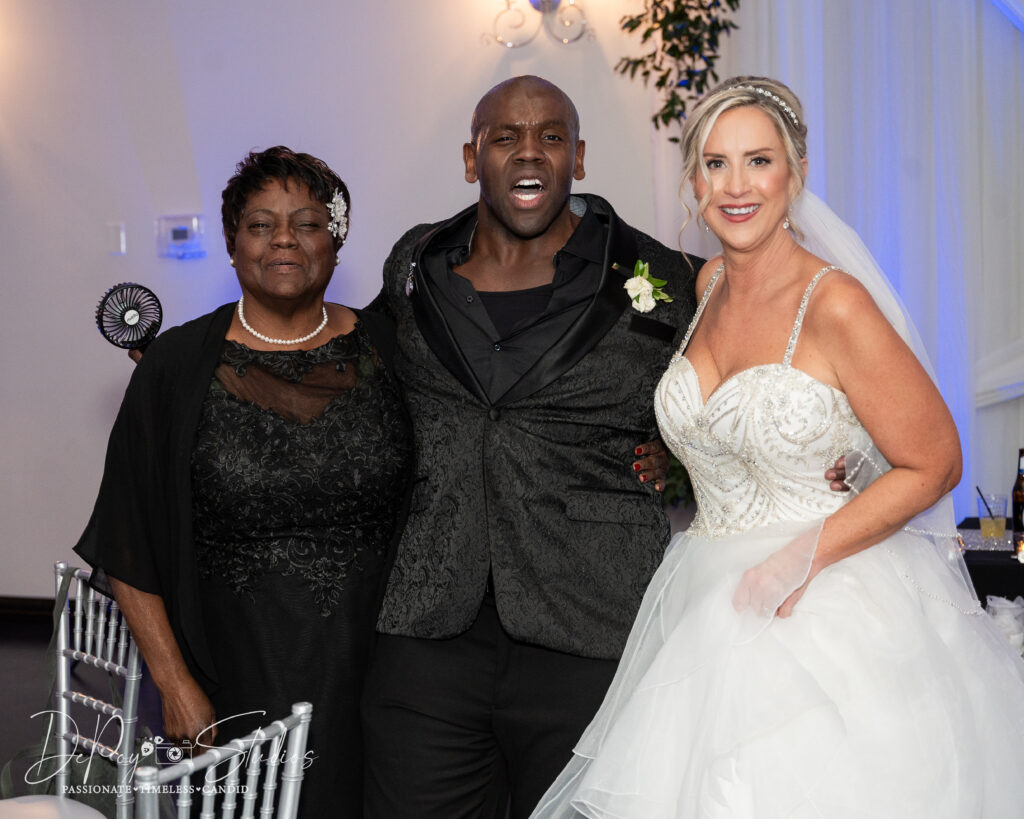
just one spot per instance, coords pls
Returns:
(164, 751)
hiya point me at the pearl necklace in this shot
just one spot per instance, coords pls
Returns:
(267, 339)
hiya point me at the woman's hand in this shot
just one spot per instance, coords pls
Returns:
(651, 465)
(188, 713)
(775, 585)
(786, 609)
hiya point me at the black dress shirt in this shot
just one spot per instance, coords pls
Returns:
(503, 334)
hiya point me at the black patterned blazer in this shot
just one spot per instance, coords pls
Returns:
(537, 487)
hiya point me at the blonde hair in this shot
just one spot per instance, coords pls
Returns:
(770, 96)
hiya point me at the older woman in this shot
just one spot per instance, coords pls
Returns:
(801, 653)
(252, 484)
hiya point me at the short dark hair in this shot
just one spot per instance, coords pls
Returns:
(260, 167)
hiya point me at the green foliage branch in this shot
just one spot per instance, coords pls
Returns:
(684, 35)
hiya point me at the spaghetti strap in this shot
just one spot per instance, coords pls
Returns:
(700, 311)
(791, 346)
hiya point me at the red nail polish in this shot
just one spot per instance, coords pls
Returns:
(643, 479)
(639, 450)
(636, 467)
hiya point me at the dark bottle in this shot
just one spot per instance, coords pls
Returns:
(1018, 498)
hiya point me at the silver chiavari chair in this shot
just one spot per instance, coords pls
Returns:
(92, 631)
(260, 774)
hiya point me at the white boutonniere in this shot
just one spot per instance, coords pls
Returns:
(644, 289)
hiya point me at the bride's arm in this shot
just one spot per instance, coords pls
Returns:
(845, 335)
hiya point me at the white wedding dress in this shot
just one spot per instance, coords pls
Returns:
(888, 692)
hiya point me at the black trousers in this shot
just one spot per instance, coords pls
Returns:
(464, 727)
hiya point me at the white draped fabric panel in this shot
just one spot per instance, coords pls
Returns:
(915, 111)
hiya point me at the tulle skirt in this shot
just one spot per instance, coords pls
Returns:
(887, 693)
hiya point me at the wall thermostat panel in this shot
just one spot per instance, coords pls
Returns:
(181, 237)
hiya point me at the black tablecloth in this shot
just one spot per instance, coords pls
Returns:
(993, 573)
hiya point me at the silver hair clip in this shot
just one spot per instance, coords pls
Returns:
(337, 207)
(774, 98)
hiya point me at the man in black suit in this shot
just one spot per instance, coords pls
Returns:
(529, 374)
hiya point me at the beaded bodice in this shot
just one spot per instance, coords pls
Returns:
(758, 448)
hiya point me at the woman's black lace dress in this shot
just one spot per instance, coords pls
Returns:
(298, 470)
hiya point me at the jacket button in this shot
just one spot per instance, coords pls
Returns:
(494, 414)
(497, 348)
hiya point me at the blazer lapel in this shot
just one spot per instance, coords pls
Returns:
(430, 320)
(600, 316)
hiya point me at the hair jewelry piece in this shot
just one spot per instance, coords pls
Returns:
(267, 339)
(774, 98)
(339, 221)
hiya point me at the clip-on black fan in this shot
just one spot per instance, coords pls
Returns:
(129, 316)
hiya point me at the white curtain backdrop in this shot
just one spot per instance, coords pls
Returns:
(915, 112)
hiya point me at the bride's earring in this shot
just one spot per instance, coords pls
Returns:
(785, 225)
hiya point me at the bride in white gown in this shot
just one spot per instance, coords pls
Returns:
(801, 653)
